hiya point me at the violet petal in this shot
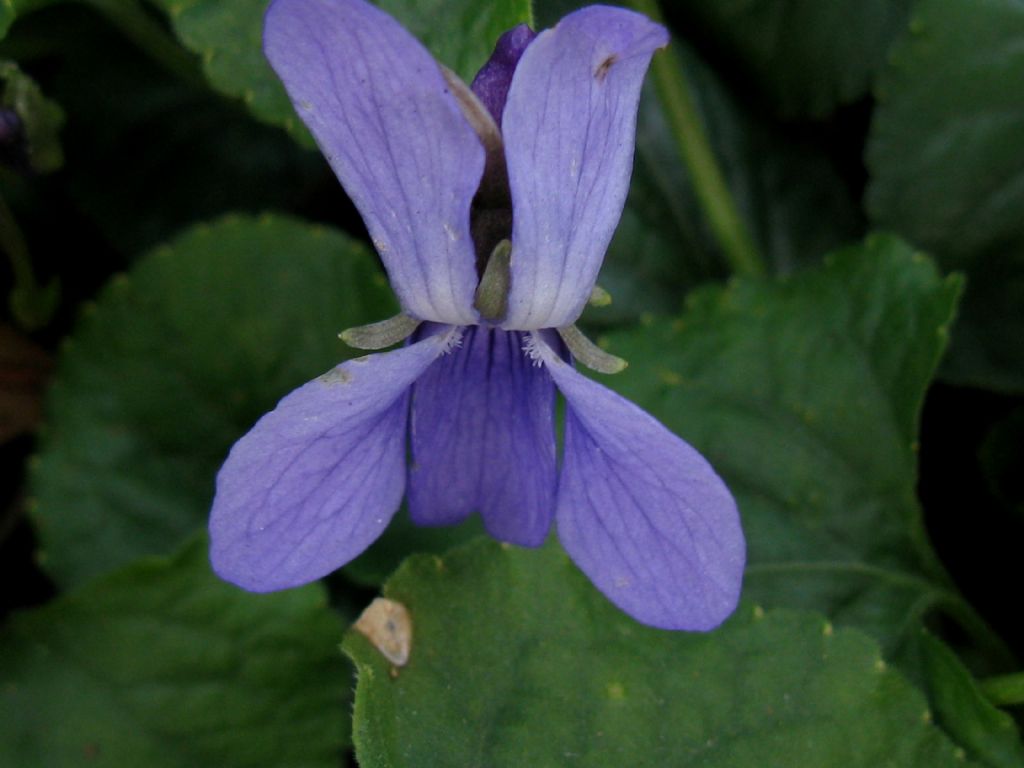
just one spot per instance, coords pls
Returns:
(483, 439)
(642, 513)
(317, 479)
(378, 106)
(492, 82)
(569, 127)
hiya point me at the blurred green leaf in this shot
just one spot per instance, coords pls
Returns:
(41, 118)
(11, 9)
(173, 363)
(805, 396)
(805, 56)
(1002, 459)
(517, 660)
(31, 305)
(946, 156)
(228, 35)
(149, 154)
(988, 339)
(947, 142)
(988, 735)
(162, 664)
(29, 144)
(796, 204)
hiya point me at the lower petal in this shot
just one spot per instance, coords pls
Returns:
(642, 513)
(483, 439)
(317, 479)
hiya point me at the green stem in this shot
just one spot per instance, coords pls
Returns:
(31, 305)
(142, 29)
(1005, 690)
(708, 181)
(12, 242)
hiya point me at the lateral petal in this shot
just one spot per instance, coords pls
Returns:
(378, 106)
(317, 479)
(569, 126)
(483, 439)
(642, 513)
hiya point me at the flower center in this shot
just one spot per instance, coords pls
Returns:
(491, 212)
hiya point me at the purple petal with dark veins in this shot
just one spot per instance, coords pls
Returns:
(569, 127)
(642, 513)
(378, 106)
(483, 439)
(494, 78)
(319, 477)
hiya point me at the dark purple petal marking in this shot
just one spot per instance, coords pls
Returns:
(492, 82)
(483, 439)
(379, 107)
(642, 513)
(317, 479)
(569, 126)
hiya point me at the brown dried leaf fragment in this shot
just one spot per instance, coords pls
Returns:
(388, 626)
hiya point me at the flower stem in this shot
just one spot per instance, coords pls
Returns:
(712, 191)
(1005, 690)
(142, 29)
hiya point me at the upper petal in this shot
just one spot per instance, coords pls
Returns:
(492, 82)
(319, 477)
(569, 126)
(642, 513)
(483, 439)
(377, 104)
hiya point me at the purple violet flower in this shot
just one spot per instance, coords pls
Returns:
(492, 209)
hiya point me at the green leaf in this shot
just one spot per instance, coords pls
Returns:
(402, 536)
(228, 34)
(789, 192)
(946, 151)
(12, 9)
(517, 660)
(988, 735)
(460, 33)
(805, 56)
(946, 157)
(153, 154)
(988, 340)
(42, 119)
(805, 396)
(174, 362)
(162, 664)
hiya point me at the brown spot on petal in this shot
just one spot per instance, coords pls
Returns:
(602, 69)
(388, 626)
